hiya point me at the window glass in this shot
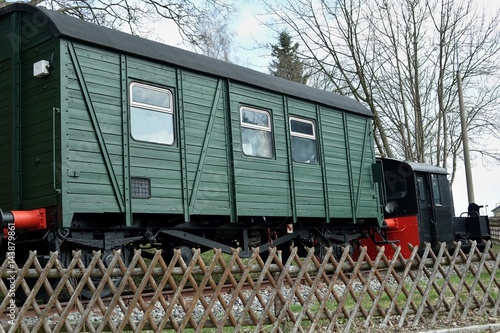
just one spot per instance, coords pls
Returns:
(151, 96)
(436, 192)
(256, 133)
(152, 126)
(395, 184)
(151, 114)
(422, 197)
(303, 140)
(303, 127)
(257, 118)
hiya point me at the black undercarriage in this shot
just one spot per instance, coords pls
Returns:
(203, 235)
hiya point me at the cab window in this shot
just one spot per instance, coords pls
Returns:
(256, 132)
(436, 192)
(303, 140)
(151, 114)
(422, 196)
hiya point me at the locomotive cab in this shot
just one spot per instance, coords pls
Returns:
(417, 204)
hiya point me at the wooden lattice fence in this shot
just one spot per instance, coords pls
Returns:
(495, 228)
(251, 295)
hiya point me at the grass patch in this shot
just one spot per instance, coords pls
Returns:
(495, 246)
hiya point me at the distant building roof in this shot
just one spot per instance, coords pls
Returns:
(496, 210)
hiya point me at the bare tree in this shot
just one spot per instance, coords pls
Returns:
(137, 17)
(399, 58)
(214, 39)
(330, 35)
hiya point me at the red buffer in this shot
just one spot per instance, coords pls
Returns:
(24, 219)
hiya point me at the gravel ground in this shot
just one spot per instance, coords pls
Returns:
(473, 323)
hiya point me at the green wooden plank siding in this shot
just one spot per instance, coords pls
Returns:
(6, 177)
(39, 98)
(206, 144)
(160, 163)
(336, 164)
(337, 168)
(364, 189)
(89, 182)
(259, 179)
(308, 178)
(256, 178)
(6, 117)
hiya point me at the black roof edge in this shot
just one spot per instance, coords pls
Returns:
(75, 29)
(416, 166)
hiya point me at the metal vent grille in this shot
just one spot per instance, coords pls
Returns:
(141, 188)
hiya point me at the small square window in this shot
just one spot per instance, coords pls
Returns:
(141, 188)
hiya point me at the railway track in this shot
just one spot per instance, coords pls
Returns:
(148, 295)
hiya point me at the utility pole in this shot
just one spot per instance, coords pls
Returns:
(465, 140)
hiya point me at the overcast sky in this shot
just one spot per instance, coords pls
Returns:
(486, 186)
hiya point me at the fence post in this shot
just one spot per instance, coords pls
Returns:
(277, 303)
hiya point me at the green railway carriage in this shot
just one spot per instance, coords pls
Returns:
(122, 140)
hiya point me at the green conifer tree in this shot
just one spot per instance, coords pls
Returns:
(286, 63)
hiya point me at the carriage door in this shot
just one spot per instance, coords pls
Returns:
(425, 210)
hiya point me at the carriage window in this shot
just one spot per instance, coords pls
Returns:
(303, 139)
(436, 193)
(256, 133)
(151, 114)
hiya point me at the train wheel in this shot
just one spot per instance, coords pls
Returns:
(86, 258)
(320, 245)
(186, 253)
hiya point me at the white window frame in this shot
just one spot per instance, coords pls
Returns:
(152, 107)
(311, 137)
(268, 129)
(302, 135)
(259, 127)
